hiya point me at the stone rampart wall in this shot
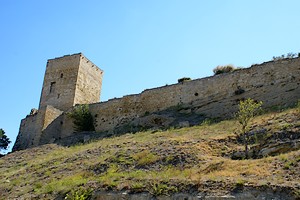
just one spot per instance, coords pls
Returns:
(274, 83)
(27, 132)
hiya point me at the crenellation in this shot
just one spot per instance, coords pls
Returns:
(78, 81)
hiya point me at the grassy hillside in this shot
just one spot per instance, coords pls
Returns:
(191, 160)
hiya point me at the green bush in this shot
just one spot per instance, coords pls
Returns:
(223, 69)
(82, 118)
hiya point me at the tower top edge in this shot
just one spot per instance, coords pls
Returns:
(64, 56)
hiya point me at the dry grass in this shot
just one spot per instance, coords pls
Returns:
(158, 162)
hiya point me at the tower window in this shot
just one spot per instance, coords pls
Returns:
(61, 75)
(52, 87)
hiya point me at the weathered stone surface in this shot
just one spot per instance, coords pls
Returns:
(279, 148)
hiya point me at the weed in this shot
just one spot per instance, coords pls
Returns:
(158, 189)
(285, 126)
(283, 157)
(291, 163)
(64, 184)
(79, 194)
(136, 186)
(37, 186)
(240, 183)
(145, 158)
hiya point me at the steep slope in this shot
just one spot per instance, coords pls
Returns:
(191, 162)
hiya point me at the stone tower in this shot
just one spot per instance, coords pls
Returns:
(70, 80)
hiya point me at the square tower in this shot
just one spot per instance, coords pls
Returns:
(71, 80)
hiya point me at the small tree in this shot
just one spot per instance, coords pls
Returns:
(4, 140)
(247, 110)
(82, 118)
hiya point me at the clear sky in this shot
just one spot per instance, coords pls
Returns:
(140, 44)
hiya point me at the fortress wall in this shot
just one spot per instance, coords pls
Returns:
(32, 126)
(89, 82)
(274, 83)
(51, 114)
(29, 131)
(26, 133)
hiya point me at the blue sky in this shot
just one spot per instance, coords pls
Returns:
(138, 44)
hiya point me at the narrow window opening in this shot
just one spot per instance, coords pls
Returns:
(58, 96)
(61, 75)
(52, 87)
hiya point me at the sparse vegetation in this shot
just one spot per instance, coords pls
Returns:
(288, 55)
(161, 163)
(82, 118)
(221, 69)
(247, 110)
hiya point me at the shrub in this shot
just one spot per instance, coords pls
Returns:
(82, 118)
(181, 80)
(223, 69)
(288, 55)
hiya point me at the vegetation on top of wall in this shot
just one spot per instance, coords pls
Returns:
(181, 80)
(82, 118)
(220, 69)
(288, 55)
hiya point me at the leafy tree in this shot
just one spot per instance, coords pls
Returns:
(82, 118)
(247, 110)
(4, 140)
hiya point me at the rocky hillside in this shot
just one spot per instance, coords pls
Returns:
(199, 162)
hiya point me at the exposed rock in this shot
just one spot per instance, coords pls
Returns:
(33, 111)
(279, 148)
(184, 124)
